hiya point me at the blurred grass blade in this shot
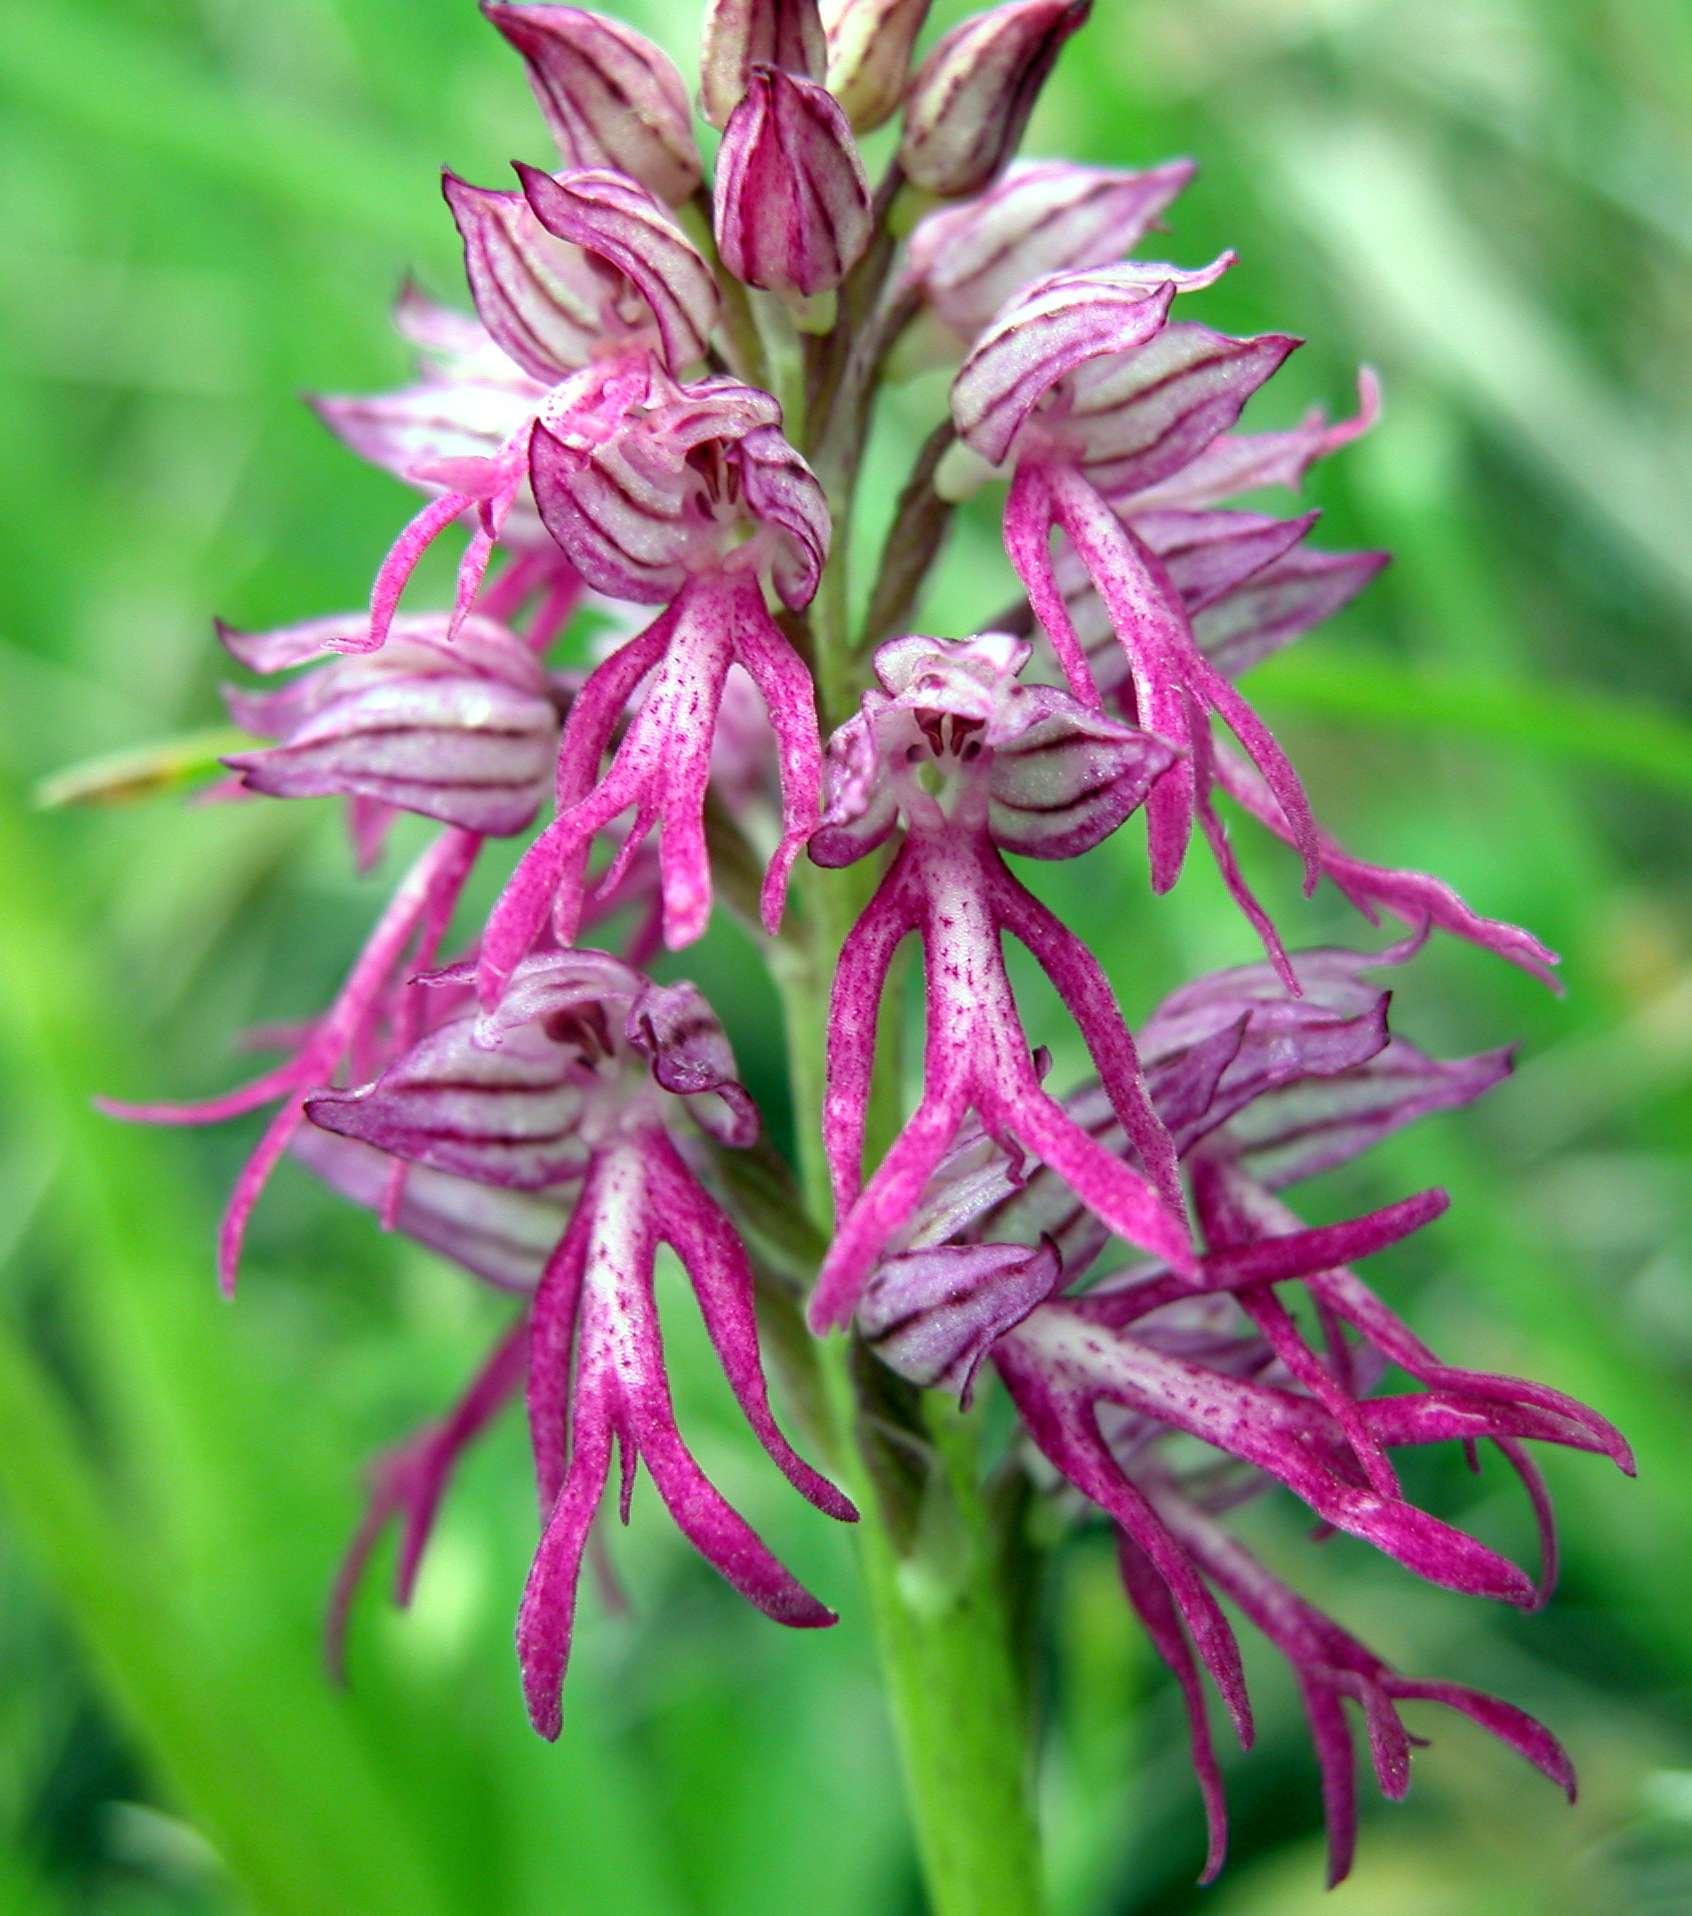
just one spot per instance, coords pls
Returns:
(67, 61)
(105, 1578)
(146, 771)
(231, 1703)
(1562, 724)
(1372, 198)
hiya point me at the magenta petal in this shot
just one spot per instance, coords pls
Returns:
(1243, 462)
(1110, 1188)
(396, 569)
(1226, 1225)
(1413, 897)
(648, 485)
(1331, 1736)
(506, 1117)
(1087, 996)
(557, 860)
(675, 1029)
(1161, 651)
(538, 298)
(438, 425)
(784, 683)
(1071, 777)
(1279, 604)
(1047, 216)
(1289, 1135)
(1209, 555)
(1143, 416)
(1064, 1429)
(721, 1274)
(552, 1329)
(1523, 1733)
(860, 976)
(717, 1531)
(546, 1618)
(1041, 340)
(1150, 1597)
(467, 751)
(1264, 1427)
(502, 1236)
(1330, 1664)
(1147, 627)
(608, 1379)
(860, 809)
(783, 496)
(890, 1197)
(661, 769)
(1030, 518)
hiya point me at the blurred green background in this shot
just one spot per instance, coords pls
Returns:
(207, 205)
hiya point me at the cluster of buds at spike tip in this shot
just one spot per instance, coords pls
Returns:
(651, 595)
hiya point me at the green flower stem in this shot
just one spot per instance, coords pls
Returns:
(943, 1633)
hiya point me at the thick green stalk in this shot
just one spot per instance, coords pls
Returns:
(943, 1631)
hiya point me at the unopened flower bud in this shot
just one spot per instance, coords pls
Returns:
(608, 95)
(869, 55)
(792, 205)
(743, 34)
(972, 96)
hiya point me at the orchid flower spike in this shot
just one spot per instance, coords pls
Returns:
(656, 425)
